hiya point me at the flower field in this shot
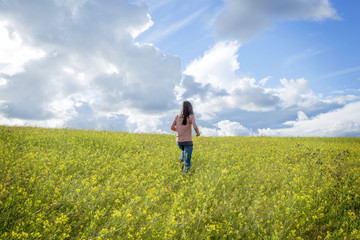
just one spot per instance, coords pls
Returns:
(68, 184)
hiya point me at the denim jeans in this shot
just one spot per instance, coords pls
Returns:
(186, 152)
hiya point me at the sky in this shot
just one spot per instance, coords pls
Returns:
(249, 67)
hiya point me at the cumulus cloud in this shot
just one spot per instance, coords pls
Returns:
(341, 122)
(293, 92)
(301, 116)
(217, 65)
(77, 64)
(338, 123)
(296, 94)
(243, 19)
(85, 53)
(143, 123)
(226, 128)
(13, 52)
(215, 84)
(215, 73)
(222, 92)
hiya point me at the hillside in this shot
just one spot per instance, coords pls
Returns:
(67, 184)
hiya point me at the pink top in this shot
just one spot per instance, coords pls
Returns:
(183, 131)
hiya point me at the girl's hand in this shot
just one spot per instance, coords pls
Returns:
(197, 132)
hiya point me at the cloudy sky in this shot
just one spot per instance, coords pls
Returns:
(250, 67)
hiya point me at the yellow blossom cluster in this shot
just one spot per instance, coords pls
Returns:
(74, 184)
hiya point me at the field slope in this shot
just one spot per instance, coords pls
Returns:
(67, 184)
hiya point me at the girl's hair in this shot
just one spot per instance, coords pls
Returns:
(186, 110)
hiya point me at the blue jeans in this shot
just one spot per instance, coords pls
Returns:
(186, 151)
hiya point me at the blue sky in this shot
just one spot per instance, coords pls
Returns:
(264, 67)
(317, 50)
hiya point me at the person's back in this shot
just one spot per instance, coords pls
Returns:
(182, 125)
(184, 132)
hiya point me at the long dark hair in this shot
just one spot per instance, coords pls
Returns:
(186, 110)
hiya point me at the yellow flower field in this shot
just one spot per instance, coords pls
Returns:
(68, 184)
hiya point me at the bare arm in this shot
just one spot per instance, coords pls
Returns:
(173, 126)
(195, 125)
(197, 131)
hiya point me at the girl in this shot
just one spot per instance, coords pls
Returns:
(182, 125)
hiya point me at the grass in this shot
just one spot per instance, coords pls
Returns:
(67, 184)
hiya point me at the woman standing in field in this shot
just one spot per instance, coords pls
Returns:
(182, 125)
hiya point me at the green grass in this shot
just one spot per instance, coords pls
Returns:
(67, 184)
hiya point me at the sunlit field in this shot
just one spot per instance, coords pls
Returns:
(67, 184)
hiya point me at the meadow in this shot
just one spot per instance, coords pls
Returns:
(75, 184)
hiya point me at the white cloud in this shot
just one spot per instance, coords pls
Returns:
(337, 123)
(214, 84)
(263, 81)
(217, 66)
(301, 116)
(13, 52)
(297, 94)
(217, 86)
(226, 128)
(3, 82)
(293, 92)
(77, 62)
(136, 31)
(144, 123)
(244, 19)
